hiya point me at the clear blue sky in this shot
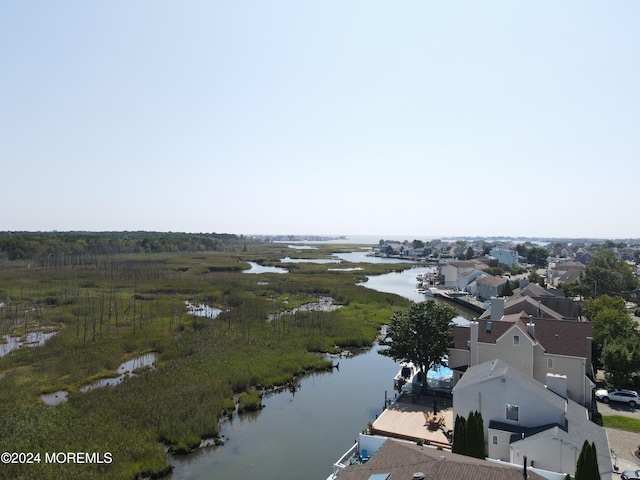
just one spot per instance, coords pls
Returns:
(428, 118)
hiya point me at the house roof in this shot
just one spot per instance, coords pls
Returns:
(492, 281)
(529, 305)
(402, 460)
(461, 264)
(535, 290)
(578, 429)
(497, 369)
(557, 337)
(570, 275)
(537, 301)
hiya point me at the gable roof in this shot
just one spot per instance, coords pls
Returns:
(529, 305)
(540, 306)
(460, 264)
(578, 429)
(402, 460)
(492, 281)
(535, 290)
(496, 369)
(557, 337)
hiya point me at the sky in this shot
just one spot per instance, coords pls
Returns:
(334, 117)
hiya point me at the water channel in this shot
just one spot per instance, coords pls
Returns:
(301, 434)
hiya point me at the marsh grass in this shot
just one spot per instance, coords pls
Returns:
(114, 308)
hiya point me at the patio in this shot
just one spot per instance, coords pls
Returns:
(412, 417)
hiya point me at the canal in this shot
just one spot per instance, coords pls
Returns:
(301, 434)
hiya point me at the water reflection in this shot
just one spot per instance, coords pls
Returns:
(202, 310)
(309, 260)
(298, 434)
(256, 268)
(31, 339)
(366, 257)
(124, 370)
(55, 398)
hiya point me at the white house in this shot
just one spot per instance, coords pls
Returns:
(524, 417)
(459, 274)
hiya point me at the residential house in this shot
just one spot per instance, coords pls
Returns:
(490, 286)
(505, 256)
(564, 272)
(537, 301)
(523, 417)
(460, 273)
(535, 346)
(583, 256)
(395, 459)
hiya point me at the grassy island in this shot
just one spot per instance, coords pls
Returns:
(123, 296)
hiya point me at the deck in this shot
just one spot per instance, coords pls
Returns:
(410, 418)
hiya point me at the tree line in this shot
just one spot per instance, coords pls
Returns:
(31, 245)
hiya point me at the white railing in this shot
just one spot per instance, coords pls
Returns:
(344, 461)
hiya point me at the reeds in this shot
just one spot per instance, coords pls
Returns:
(108, 309)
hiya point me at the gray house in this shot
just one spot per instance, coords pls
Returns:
(490, 286)
(524, 417)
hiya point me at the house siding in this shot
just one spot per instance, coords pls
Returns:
(484, 397)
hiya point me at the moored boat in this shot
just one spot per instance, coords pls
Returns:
(407, 371)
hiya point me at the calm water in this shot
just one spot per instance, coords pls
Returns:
(257, 269)
(299, 435)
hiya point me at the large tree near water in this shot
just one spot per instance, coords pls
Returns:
(419, 334)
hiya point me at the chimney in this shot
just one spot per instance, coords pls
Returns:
(474, 352)
(497, 308)
(531, 327)
(588, 351)
(557, 384)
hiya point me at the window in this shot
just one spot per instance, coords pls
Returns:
(550, 363)
(512, 412)
(494, 439)
(516, 339)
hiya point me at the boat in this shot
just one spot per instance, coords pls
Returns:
(406, 375)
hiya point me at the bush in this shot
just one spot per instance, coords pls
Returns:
(249, 402)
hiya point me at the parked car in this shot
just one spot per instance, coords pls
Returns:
(618, 395)
(630, 475)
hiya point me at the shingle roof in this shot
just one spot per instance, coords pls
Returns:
(557, 337)
(535, 290)
(492, 281)
(402, 460)
(534, 297)
(578, 429)
(495, 369)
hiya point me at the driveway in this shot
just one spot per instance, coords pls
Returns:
(621, 442)
(615, 408)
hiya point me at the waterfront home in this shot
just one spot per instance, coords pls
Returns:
(535, 346)
(489, 286)
(522, 417)
(459, 274)
(395, 459)
(537, 301)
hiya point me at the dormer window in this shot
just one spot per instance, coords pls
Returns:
(516, 340)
